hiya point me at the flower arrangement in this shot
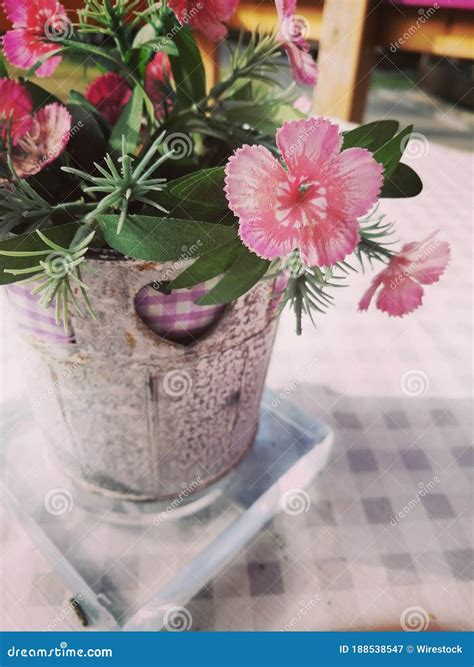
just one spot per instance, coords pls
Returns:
(149, 161)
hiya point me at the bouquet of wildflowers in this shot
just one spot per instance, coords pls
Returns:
(149, 160)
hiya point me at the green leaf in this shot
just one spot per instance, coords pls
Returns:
(87, 142)
(390, 153)
(404, 182)
(202, 187)
(164, 239)
(371, 136)
(61, 235)
(146, 36)
(208, 265)
(243, 274)
(129, 123)
(188, 70)
(3, 67)
(78, 99)
(39, 96)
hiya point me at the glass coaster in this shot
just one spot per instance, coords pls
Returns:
(130, 564)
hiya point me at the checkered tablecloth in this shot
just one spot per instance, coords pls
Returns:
(386, 540)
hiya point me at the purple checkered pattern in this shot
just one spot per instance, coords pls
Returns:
(33, 319)
(176, 316)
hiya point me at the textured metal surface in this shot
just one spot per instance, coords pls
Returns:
(140, 417)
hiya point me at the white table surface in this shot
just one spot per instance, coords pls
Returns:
(341, 564)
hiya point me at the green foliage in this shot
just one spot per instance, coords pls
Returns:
(188, 70)
(57, 275)
(127, 129)
(209, 265)
(124, 184)
(22, 251)
(244, 272)
(371, 136)
(403, 182)
(164, 239)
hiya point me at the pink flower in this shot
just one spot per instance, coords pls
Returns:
(314, 205)
(15, 103)
(291, 36)
(109, 93)
(37, 28)
(207, 16)
(158, 79)
(44, 142)
(415, 265)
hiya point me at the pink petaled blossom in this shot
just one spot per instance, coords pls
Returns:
(158, 84)
(37, 27)
(292, 38)
(417, 264)
(109, 93)
(207, 16)
(15, 110)
(314, 205)
(44, 142)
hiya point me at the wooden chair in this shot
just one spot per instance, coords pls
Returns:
(348, 33)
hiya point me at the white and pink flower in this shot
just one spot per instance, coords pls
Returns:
(417, 264)
(15, 110)
(38, 139)
(314, 204)
(293, 41)
(35, 24)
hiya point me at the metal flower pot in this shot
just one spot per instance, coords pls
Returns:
(137, 416)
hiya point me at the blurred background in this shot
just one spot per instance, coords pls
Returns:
(407, 59)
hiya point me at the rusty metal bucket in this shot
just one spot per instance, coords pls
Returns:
(139, 417)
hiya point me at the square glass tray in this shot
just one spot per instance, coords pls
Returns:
(130, 564)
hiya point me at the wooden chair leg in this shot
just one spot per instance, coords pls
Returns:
(210, 56)
(346, 58)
